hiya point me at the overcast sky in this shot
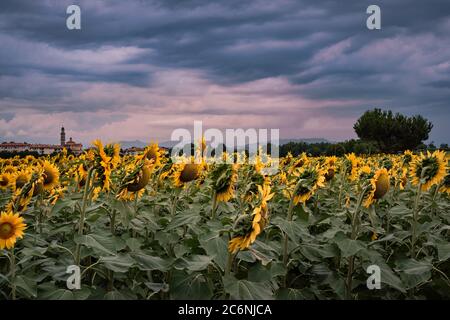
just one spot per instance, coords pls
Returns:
(138, 69)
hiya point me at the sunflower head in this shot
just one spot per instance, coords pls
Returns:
(407, 157)
(428, 169)
(12, 227)
(446, 184)
(10, 169)
(224, 178)
(308, 180)
(6, 180)
(140, 178)
(22, 177)
(186, 172)
(246, 229)
(50, 176)
(153, 154)
(379, 186)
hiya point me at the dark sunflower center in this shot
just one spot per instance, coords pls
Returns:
(302, 191)
(189, 173)
(4, 181)
(20, 181)
(299, 163)
(48, 177)
(329, 175)
(151, 155)
(6, 230)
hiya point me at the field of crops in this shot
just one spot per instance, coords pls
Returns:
(144, 227)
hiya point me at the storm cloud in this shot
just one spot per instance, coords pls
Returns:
(139, 69)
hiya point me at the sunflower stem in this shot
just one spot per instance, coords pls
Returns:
(214, 205)
(229, 263)
(83, 215)
(354, 235)
(415, 218)
(13, 274)
(286, 239)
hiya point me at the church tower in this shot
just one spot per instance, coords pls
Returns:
(63, 137)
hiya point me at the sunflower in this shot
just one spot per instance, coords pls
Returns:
(12, 227)
(106, 159)
(330, 167)
(379, 186)
(50, 176)
(22, 177)
(249, 226)
(255, 180)
(300, 162)
(224, 177)
(135, 181)
(6, 180)
(403, 179)
(446, 184)
(430, 167)
(10, 169)
(407, 158)
(82, 173)
(308, 181)
(152, 153)
(353, 163)
(185, 172)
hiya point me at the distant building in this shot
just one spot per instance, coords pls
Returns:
(44, 149)
(24, 146)
(76, 148)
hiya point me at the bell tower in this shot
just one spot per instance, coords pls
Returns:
(63, 137)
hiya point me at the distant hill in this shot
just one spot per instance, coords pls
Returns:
(140, 144)
(170, 144)
(307, 140)
(130, 144)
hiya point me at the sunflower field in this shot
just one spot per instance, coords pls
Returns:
(146, 227)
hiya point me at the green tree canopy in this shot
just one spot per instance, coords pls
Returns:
(392, 132)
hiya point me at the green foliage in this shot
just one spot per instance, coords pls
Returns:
(392, 132)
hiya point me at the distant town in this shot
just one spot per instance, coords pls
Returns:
(43, 149)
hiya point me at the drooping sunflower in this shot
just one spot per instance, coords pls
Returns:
(185, 172)
(134, 183)
(404, 179)
(446, 184)
(106, 158)
(250, 226)
(407, 158)
(249, 229)
(50, 175)
(353, 162)
(432, 166)
(303, 160)
(308, 180)
(379, 186)
(224, 178)
(12, 227)
(22, 177)
(152, 153)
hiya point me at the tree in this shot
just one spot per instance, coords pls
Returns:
(392, 132)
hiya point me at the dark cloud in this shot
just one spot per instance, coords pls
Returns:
(322, 49)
